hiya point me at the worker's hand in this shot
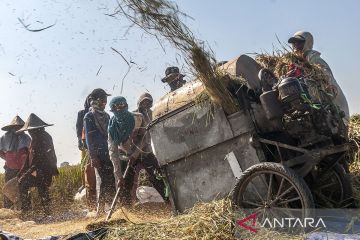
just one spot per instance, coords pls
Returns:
(95, 162)
(132, 161)
(34, 173)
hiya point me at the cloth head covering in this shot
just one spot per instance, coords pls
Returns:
(303, 36)
(101, 117)
(122, 123)
(143, 97)
(34, 122)
(16, 122)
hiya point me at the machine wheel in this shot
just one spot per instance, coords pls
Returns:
(333, 189)
(268, 186)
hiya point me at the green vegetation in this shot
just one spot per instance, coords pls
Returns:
(63, 188)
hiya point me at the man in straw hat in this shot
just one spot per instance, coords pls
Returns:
(40, 166)
(302, 43)
(95, 125)
(14, 149)
(174, 78)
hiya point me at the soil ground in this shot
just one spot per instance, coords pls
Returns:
(75, 221)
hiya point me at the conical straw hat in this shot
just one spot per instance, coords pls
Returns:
(34, 122)
(16, 122)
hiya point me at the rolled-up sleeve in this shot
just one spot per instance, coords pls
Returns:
(114, 156)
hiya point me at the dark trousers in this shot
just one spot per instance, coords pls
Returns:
(42, 183)
(9, 174)
(107, 186)
(150, 164)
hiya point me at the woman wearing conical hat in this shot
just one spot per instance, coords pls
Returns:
(14, 148)
(40, 166)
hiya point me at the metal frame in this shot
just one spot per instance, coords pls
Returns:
(310, 158)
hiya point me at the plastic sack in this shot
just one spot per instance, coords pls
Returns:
(147, 194)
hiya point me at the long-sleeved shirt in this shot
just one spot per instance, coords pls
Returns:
(80, 119)
(96, 135)
(133, 147)
(80, 124)
(14, 149)
(147, 116)
(313, 57)
(42, 157)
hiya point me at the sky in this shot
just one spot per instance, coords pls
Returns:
(51, 72)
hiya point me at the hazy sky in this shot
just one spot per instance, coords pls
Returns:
(51, 72)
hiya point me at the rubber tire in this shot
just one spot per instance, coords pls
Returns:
(298, 182)
(346, 183)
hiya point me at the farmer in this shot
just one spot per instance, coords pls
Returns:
(40, 166)
(144, 104)
(302, 43)
(95, 124)
(174, 78)
(14, 148)
(127, 142)
(89, 178)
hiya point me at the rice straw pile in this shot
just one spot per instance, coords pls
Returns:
(163, 18)
(203, 221)
(279, 61)
(215, 220)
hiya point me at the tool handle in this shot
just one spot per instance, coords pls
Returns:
(116, 196)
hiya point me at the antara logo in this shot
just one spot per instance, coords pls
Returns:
(251, 228)
(280, 223)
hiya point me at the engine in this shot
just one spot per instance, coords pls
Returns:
(306, 112)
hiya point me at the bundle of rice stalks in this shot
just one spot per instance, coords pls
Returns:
(279, 62)
(204, 221)
(163, 18)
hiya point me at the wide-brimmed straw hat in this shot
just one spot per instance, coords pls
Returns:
(16, 122)
(34, 122)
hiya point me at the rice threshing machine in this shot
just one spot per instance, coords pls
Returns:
(284, 147)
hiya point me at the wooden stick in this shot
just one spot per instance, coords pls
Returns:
(113, 204)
